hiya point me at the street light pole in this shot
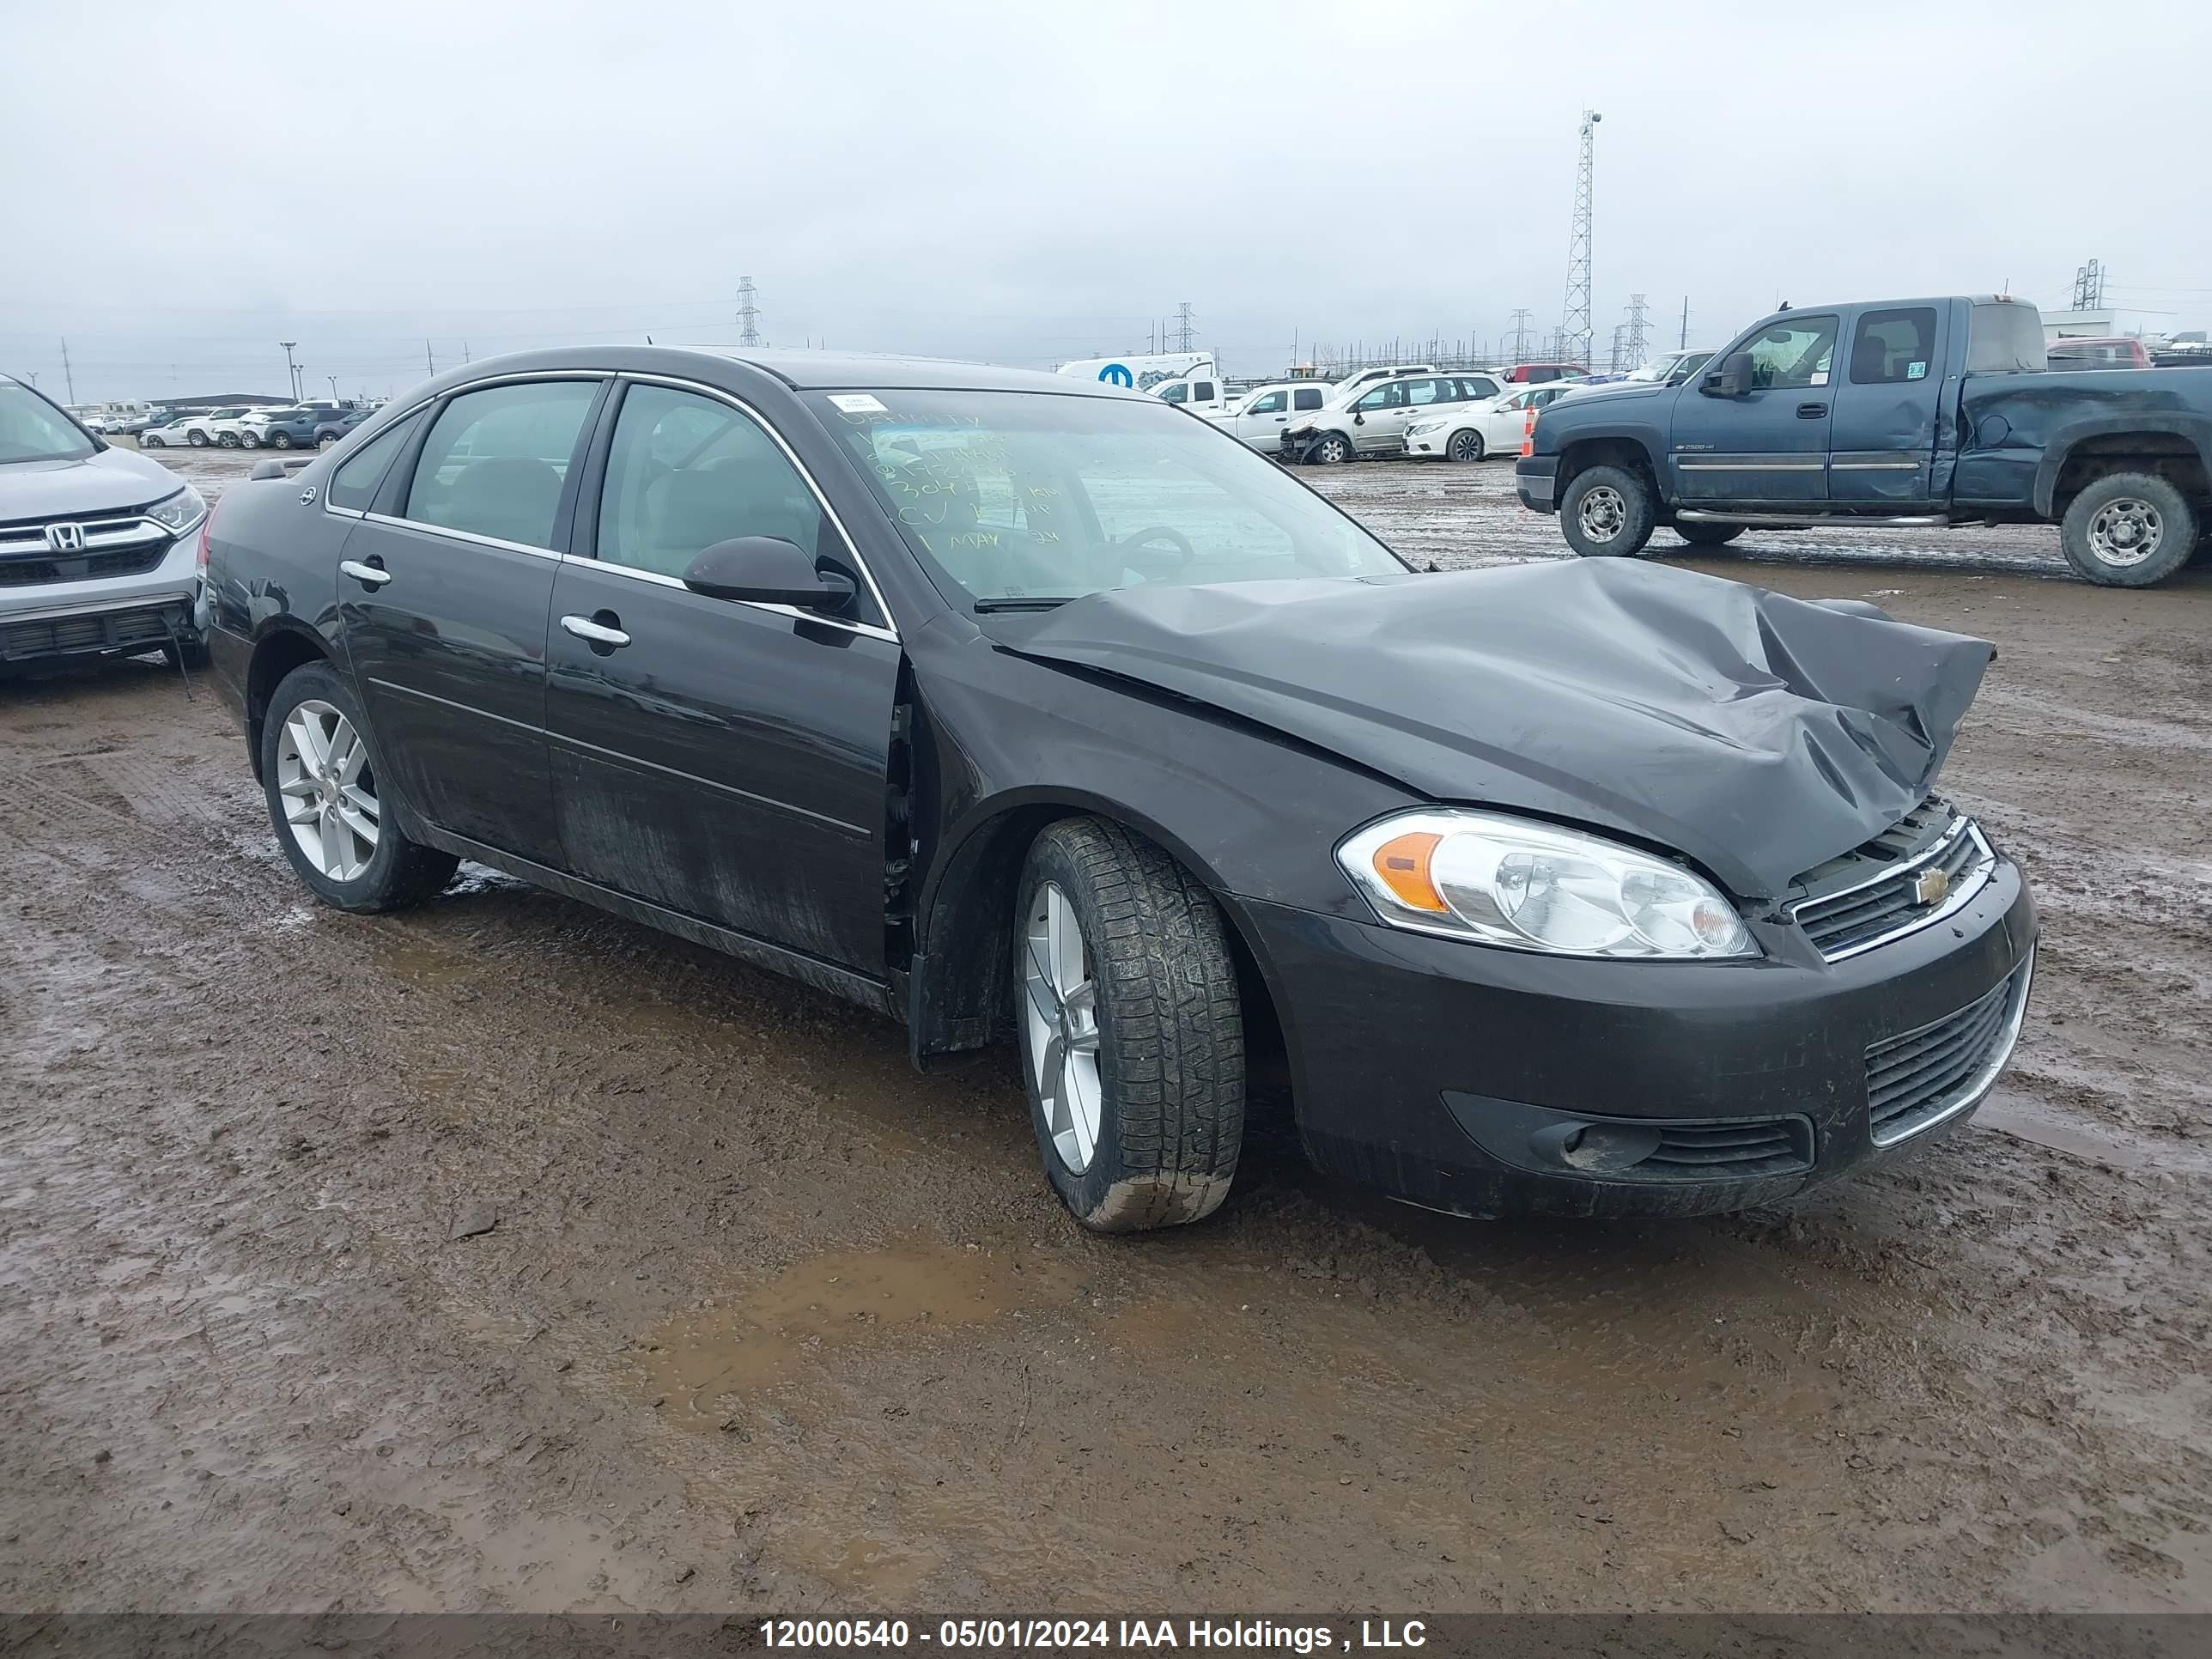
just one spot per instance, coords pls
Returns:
(291, 368)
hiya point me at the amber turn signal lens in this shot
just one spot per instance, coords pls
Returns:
(1403, 864)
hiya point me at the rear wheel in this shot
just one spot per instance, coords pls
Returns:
(1607, 513)
(1464, 447)
(332, 814)
(1710, 535)
(2129, 530)
(1334, 450)
(1132, 1033)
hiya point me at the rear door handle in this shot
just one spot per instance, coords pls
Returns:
(1811, 411)
(371, 575)
(598, 632)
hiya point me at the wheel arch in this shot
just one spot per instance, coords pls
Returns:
(960, 989)
(2176, 448)
(284, 646)
(1583, 451)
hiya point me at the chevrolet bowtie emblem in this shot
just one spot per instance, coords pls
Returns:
(1931, 886)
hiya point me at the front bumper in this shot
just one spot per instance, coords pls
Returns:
(106, 614)
(1492, 1082)
(1427, 444)
(1535, 478)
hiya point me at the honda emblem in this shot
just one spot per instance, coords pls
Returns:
(65, 537)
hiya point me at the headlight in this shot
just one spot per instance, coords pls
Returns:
(1422, 429)
(179, 512)
(1509, 881)
(1297, 429)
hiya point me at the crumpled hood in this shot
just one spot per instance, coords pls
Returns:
(1757, 734)
(112, 481)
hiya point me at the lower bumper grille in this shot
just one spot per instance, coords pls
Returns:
(1917, 1080)
(1728, 1151)
(105, 630)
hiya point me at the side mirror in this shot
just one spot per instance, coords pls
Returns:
(766, 570)
(1731, 379)
(1359, 420)
(264, 470)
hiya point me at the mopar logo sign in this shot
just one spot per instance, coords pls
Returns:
(1118, 373)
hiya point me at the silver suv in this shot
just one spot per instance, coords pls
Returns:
(98, 547)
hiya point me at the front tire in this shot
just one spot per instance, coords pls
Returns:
(1464, 446)
(1710, 535)
(2128, 530)
(1132, 1032)
(247, 441)
(280, 440)
(1334, 450)
(198, 439)
(333, 818)
(1607, 513)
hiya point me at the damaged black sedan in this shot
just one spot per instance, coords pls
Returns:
(1023, 709)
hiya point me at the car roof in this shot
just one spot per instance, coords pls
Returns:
(802, 371)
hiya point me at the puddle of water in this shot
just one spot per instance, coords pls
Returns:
(767, 1334)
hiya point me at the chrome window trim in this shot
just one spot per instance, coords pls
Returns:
(1963, 892)
(717, 393)
(469, 536)
(1977, 1088)
(653, 577)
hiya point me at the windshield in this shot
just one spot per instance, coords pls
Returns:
(1026, 495)
(32, 430)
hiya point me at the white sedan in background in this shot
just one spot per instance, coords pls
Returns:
(1479, 431)
(1260, 415)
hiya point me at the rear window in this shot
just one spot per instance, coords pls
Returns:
(2004, 338)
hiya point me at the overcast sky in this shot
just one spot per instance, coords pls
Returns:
(185, 185)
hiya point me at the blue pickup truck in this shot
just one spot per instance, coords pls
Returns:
(1918, 412)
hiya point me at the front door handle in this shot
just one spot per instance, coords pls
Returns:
(598, 633)
(1811, 411)
(370, 576)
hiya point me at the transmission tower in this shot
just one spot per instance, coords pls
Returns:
(1185, 330)
(1520, 335)
(1575, 323)
(1637, 345)
(748, 313)
(1619, 345)
(2089, 286)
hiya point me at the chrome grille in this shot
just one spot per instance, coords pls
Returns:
(118, 544)
(1910, 881)
(1917, 1080)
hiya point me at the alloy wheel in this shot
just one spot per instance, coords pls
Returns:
(329, 792)
(1466, 446)
(1602, 513)
(1060, 1023)
(2126, 532)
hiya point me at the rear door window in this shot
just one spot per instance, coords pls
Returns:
(1306, 396)
(496, 460)
(1892, 346)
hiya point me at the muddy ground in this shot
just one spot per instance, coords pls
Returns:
(748, 1316)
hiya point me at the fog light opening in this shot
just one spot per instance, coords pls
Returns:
(1609, 1146)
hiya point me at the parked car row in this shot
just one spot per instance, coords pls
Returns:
(291, 426)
